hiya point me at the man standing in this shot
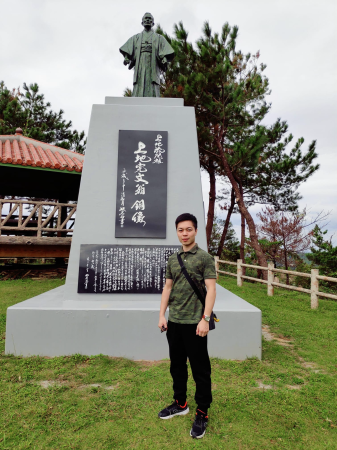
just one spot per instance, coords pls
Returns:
(149, 53)
(188, 324)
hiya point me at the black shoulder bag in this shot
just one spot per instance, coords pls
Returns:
(201, 297)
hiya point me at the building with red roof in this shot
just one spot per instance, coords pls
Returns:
(30, 168)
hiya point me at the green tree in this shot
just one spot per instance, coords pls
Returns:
(30, 111)
(230, 247)
(228, 90)
(324, 254)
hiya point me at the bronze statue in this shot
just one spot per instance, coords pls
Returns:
(148, 53)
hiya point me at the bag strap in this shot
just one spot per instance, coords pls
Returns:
(191, 282)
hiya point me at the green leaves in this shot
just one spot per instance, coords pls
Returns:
(229, 90)
(33, 114)
(324, 254)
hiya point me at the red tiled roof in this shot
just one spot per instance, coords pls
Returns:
(20, 150)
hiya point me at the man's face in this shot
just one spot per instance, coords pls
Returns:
(186, 232)
(148, 20)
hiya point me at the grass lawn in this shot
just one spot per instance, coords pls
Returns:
(285, 401)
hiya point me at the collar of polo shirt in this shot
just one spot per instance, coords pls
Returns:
(192, 250)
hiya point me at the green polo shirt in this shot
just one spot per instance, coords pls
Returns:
(184, 305)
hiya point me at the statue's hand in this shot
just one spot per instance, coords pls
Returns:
(126, 61)
(163, 63)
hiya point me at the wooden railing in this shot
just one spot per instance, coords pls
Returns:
(17, 221)
(270, 282)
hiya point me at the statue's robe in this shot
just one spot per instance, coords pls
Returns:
(147, 62)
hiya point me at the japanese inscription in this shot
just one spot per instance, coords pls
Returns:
(108, 269)
(141, 184)
(122, 199)
(158, 150)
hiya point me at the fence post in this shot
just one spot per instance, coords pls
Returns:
(270, 279)
(20, 215)
(314, 288)
(239, 272)
(216, 262)
(39, 221)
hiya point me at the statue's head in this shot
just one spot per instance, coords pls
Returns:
(148, 20)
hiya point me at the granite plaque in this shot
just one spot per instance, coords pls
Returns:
(121, 269)
(141, 184)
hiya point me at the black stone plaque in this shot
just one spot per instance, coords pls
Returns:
(123, 269)
(141, 184)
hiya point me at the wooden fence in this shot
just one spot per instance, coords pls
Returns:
(314, 277)
(36, 221)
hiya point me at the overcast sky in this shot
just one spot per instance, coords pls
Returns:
(70, 48)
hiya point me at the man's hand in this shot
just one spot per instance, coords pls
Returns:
(164, 302)
(126, 61)
(162, 322)
(202, 328)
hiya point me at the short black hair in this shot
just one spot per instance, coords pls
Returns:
(187, 216)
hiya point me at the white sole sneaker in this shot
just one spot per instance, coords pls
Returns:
(182, 413)
(198, 437)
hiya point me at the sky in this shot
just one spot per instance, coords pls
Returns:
(70, 48)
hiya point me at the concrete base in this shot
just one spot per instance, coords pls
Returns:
(63, 322)
(52, 325)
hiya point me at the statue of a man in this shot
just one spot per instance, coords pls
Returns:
(148, 52)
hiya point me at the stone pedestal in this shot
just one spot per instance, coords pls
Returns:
(63, 322)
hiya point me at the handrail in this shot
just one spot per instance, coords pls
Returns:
(314, 276)
(41, 223)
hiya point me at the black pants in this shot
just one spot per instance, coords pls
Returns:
(185, 343)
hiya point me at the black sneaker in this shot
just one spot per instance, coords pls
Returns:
(173, 410)
(198, 429)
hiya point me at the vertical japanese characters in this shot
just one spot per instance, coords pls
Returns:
(86, 276)
(141, 159)
(158, 150)
(122, 209)
(122, 269)
(141, 200)
(91, 272)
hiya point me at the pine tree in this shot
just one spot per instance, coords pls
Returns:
(230, 248)
(324, 253)
(34, 115)
(279, 172)
(228, 90)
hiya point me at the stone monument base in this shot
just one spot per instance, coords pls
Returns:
(53, 325)
(63, 322)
